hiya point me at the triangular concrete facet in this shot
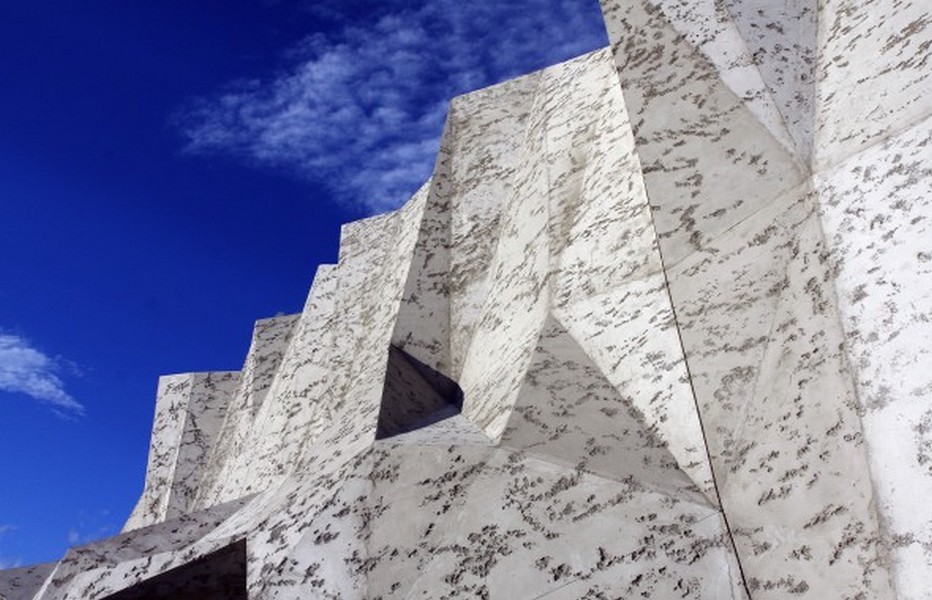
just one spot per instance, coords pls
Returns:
(567, 412)
(781, 38)
(709, 28)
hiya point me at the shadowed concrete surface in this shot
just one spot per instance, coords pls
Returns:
(415, 396)
(220, 575)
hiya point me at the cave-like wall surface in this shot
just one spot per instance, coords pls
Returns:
(658, 326)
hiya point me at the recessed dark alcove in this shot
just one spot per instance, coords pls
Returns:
(414, 395)
(220, 575)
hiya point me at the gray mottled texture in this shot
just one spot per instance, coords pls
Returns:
(683, 284)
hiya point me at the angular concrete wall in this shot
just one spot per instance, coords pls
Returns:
(682, 285)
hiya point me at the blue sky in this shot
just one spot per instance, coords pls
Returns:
(171, 171)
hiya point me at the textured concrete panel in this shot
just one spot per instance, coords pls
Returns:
(876, 209)
(21, 583)
(656, 327)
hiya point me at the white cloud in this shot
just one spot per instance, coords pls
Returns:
(361, 109)
(90, 528)
(74, 537)
(4, 562)
(26, 370)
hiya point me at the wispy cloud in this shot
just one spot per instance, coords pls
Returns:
(26, 370)
(6, 563)
(91, 527)
(9, 564)
(361, 109)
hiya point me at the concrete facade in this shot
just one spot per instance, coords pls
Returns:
(658, 326)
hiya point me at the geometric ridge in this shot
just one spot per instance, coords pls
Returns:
(568, 412)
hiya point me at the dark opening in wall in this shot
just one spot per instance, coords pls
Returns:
(414, 396)
(220, 575)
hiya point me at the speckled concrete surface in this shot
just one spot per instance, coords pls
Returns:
(658, 326)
